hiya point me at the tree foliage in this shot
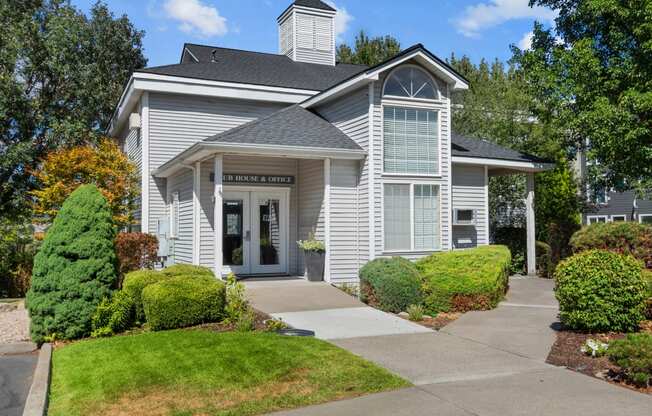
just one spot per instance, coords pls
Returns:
(61, 74)
(103, 165)
(592, 78)
(74, 269)
(368, 51)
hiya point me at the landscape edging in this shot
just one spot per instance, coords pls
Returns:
(37, 399)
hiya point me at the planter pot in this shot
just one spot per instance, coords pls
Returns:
(314, 264)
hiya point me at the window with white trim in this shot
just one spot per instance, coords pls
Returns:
(618, 218)
(593, 219)
(411, 217)
(410, 141)
(645, 218)
(411, 82)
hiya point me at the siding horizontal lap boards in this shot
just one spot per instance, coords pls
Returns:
(469, 193)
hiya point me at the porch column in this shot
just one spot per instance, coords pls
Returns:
(218, 168)
(327, 219)
(196, 212)
(530, 225)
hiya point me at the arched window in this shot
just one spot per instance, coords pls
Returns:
(411, 82)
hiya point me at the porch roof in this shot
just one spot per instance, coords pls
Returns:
(291, 132)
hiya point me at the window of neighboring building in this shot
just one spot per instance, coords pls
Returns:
(645, 218)
(592, 219)
(410, 141)
(618, 218)
(411, 217)
(599, 195)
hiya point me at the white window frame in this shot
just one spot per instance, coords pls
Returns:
(400, 98)
(641, 216)
(613, 217)
(382, 215)
(595, 217)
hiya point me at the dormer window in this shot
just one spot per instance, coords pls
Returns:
(411, 82)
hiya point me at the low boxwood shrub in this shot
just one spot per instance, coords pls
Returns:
(633, 354)
(463, 280)
(599, 290)
(182, 301)
(187, 270)
(133, 285)
(620, 237)
(390, 284)
(113, 316)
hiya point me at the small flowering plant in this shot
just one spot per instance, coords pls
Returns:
(312, 244)
(594, 348)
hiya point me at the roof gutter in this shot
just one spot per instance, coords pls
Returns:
(202, 150)
(525, 166)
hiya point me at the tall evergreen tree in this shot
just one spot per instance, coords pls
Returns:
(368, 51)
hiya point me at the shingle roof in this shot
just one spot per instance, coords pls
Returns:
(233, 65)
(291, 126)
(479, 148)
(315, 4)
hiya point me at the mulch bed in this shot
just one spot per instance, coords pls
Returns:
(566, 353)
(438, 322)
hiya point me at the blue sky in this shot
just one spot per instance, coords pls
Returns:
(477, 28)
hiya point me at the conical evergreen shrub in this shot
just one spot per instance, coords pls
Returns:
(74, 269)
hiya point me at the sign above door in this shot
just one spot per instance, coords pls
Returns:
(255, 179)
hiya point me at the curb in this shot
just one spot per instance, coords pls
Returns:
(37, 399)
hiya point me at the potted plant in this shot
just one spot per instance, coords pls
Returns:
(313, 252)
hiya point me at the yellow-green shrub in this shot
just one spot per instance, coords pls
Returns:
(464, 280)
(134, 284)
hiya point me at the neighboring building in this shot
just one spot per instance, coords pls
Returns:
(607, 205)
(279, 146)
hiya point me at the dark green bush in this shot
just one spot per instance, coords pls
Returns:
(113, 316)
(390, 284)
(545, 267)
(620, 237)
(187, 270)
(599, 290)
(515, 239)
(74, 269)
(133, 285)
(633, 354)
(647, 275)
(182, 301)
(463, 280)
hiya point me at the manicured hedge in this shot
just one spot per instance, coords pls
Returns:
(182, 301)
(464, 280)
(74, 268)
(620, 237)
(187, 270)
(113, 316)
(599, 290)
(134, 284)
(390, 284)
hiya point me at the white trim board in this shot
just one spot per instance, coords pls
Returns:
(501, 163)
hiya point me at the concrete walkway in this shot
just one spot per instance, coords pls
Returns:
(485, 363)
(322, 308)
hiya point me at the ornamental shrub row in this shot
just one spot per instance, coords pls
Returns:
(457, 281)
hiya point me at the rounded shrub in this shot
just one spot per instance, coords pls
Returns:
(134, 284)
(74, 269)
(599, 290)
(182, 301)
(187, 270)
(390, 284)
(621, 237)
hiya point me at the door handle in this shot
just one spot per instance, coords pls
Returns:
(247, 235)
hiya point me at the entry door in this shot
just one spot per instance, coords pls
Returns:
(255, 232)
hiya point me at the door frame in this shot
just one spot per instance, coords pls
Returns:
(284, 194)
(245, 268)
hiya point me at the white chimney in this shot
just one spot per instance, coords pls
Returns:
(307, 32)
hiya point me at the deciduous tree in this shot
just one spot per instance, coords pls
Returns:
(368, 51)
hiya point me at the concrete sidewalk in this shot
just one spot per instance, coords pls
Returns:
(484, 364)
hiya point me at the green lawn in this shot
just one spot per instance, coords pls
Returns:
(197, 372)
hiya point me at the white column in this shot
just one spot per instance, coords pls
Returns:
(327, 219)
(218, 168)
(196, 212)
(371, 176)
(530, 225)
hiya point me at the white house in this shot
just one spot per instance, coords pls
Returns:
(244, 153)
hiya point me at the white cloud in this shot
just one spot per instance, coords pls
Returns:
(481, 16)
(342, 20)
(195, 17)
(526, 41)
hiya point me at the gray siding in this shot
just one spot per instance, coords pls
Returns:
(469, 193)
(177, 121)
(442, 106)
(621, 203)
(345, 258)
(182, 183)
(311, 203)
(315, 39)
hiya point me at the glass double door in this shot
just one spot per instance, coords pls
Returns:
(254, 232)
